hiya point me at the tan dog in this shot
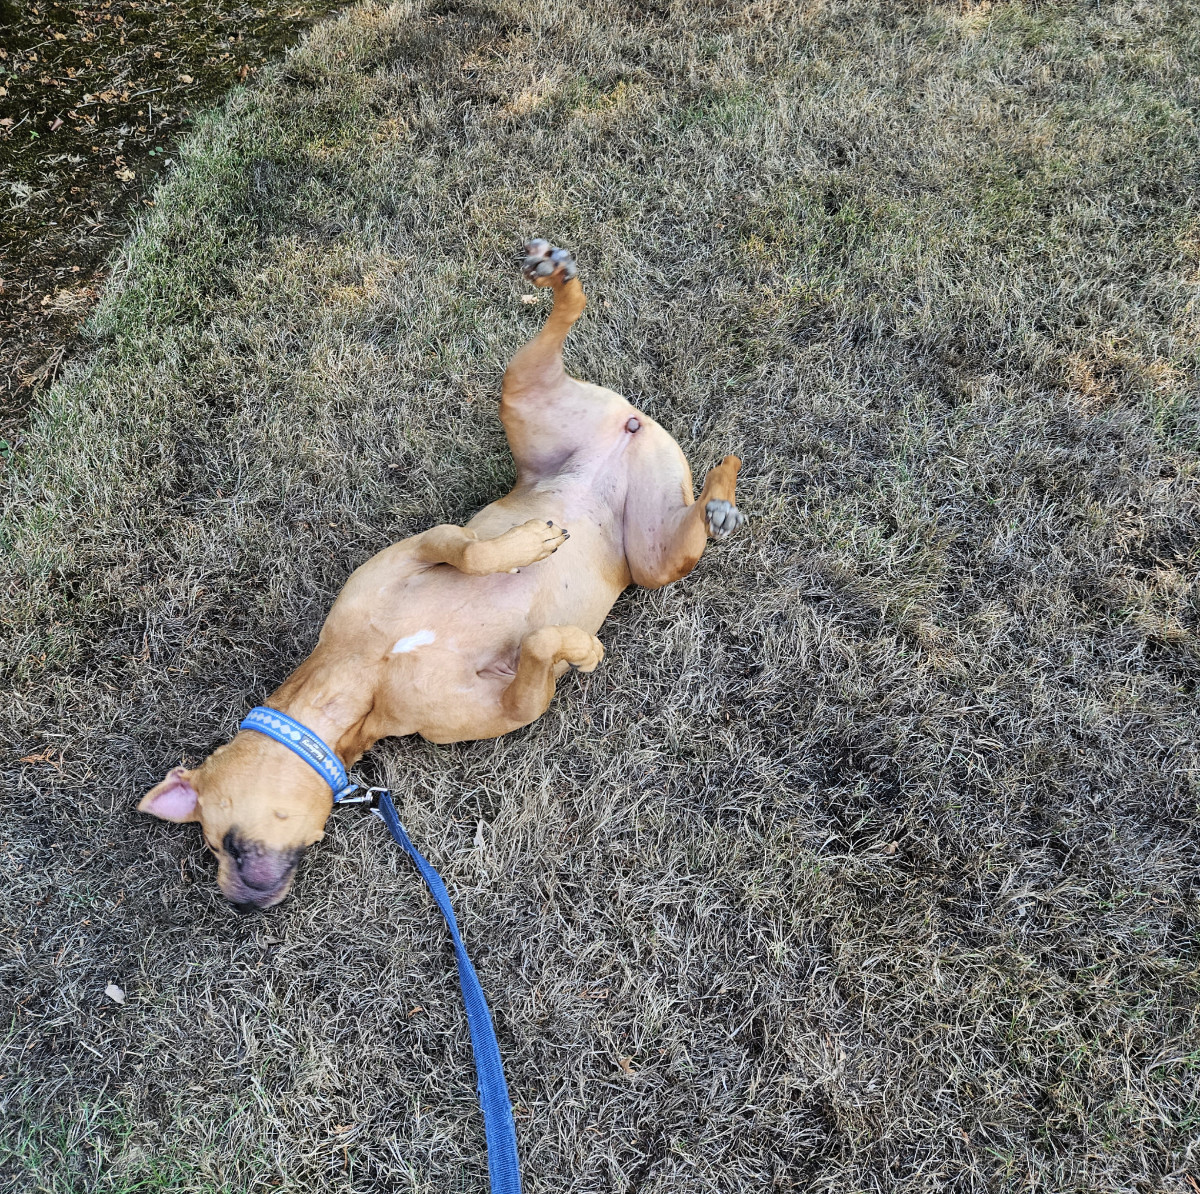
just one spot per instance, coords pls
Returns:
(461, 632)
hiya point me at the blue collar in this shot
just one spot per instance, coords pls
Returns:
(300, 740)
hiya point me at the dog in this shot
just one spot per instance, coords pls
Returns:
(462, 632)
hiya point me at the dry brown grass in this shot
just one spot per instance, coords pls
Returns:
(867, 860)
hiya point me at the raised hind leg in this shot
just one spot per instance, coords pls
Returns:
(545, 655)
(546, 414)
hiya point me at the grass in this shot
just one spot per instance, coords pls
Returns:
(867, 860)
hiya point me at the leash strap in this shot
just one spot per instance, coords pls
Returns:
(503, 1169)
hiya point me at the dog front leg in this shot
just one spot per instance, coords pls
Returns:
(518, 547)
(545, 655)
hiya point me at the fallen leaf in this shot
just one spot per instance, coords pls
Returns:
(126, 175)
(186, 79)
(243, 72)
(58, 123)
(115, 993)
(415, 1011)
(626, 1064)
(891, 847)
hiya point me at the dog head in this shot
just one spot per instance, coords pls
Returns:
(259, 808)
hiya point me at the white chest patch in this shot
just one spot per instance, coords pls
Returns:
(421, 639)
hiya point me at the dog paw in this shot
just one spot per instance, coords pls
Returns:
(545, 265)
(589, 661)
(532, 541)
(723, 518)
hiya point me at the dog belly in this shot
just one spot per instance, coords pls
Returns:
(452, 642)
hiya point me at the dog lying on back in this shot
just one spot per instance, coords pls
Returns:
(462, 632)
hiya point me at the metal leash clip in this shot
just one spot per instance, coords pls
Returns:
(368, 796)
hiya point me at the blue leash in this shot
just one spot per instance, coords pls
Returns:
(503, 1168)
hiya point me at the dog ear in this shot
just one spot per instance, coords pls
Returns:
(173, 800)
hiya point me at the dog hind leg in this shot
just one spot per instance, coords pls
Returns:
(665, 530)
(538, 366)
(546, 414)
(545, 655)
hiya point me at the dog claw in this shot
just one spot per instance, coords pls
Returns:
(723, 518)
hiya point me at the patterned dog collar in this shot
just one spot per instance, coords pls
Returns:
(300, 740)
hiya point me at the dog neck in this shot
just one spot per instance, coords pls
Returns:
(333, 701)
(266, 794)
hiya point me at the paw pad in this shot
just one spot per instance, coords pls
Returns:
(542, 260)
(723, 518)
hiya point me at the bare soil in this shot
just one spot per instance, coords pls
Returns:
(93, 95)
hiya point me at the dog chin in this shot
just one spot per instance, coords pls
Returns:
(248, 899)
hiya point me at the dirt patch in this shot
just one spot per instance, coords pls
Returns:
(93, 95)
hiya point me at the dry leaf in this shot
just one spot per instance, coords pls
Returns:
(186, 79)
(626, 1064)
(115, 993)
(126, 175)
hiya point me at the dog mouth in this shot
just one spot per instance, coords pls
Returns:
(255, 876)
(248, 899)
